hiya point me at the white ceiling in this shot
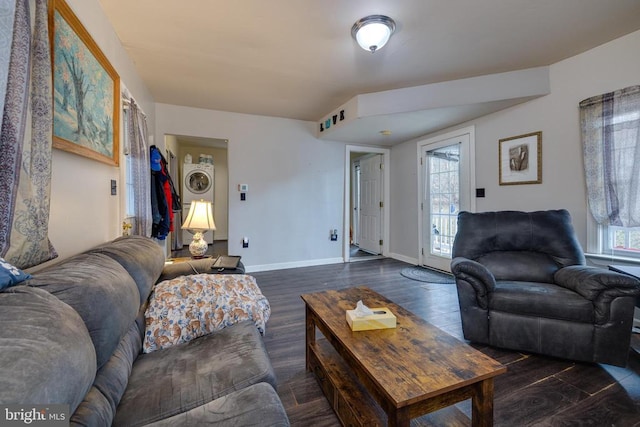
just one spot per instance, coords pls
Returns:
(296, 58)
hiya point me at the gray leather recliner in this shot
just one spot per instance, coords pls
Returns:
(523, 285)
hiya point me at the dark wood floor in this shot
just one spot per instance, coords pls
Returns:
(535, 391)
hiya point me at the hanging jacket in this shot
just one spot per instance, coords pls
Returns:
(160, 200)
(167, 194)
(160, 210)
(176, 202)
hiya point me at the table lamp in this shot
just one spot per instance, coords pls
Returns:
(199, 220)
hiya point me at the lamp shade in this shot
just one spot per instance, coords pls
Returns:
(373, 31)
(200, 217)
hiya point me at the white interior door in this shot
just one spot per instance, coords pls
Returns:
(355, 218)
(370, 222)
(447, 182)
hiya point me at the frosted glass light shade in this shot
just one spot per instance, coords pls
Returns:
(372, 32)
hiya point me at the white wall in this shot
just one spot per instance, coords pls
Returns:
(295, 184)
(83, 212)
(295, 181)
(403, 233)
(614, 65)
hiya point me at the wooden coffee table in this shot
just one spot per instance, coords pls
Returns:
(392, 375)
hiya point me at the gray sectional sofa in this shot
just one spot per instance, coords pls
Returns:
(72, 334)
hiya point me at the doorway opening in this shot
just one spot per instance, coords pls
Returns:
(202, 172)
(446, 182)
(366, 219)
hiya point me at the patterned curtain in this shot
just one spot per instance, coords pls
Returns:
(611, 138)
(25, 177)
(7, 15)
(137, 149)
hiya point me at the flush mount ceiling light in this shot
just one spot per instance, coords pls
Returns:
(373, 31)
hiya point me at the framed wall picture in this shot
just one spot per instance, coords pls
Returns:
(86, 90)
(520, 159)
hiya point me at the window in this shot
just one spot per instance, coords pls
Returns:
(623, 241)
(443, 175)
(611, 138)
(136, 176)
(129, 211)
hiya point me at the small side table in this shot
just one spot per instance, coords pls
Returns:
(184, 259)
(186, 265)
(629, 270)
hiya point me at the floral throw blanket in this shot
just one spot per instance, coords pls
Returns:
(187, 307)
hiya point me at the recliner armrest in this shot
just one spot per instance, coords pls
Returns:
(591, 282)
(475, 273)
(598, 285)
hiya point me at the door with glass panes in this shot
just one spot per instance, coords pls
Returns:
(445, 192)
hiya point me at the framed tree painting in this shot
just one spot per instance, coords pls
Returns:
(520, 159)
(86, 90)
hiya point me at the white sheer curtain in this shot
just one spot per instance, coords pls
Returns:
(611, 138)
(139, 173)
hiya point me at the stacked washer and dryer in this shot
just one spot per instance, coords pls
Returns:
(197, 183)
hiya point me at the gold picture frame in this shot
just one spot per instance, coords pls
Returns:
(86, 90)
(520, 159)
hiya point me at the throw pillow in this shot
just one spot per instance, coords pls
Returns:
(11, 275)
(188, 307)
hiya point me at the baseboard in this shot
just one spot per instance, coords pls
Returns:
(296, 264)
(403, 258)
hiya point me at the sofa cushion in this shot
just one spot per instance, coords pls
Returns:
(142, 257)
(544, 300)
(11, 275)
(519, 266)
(168, 382)
(99, 406)
(101, 291)
(188, 307)
(47, 355)
(256, 405)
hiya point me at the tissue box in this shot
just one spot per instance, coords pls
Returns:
(373, 321)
